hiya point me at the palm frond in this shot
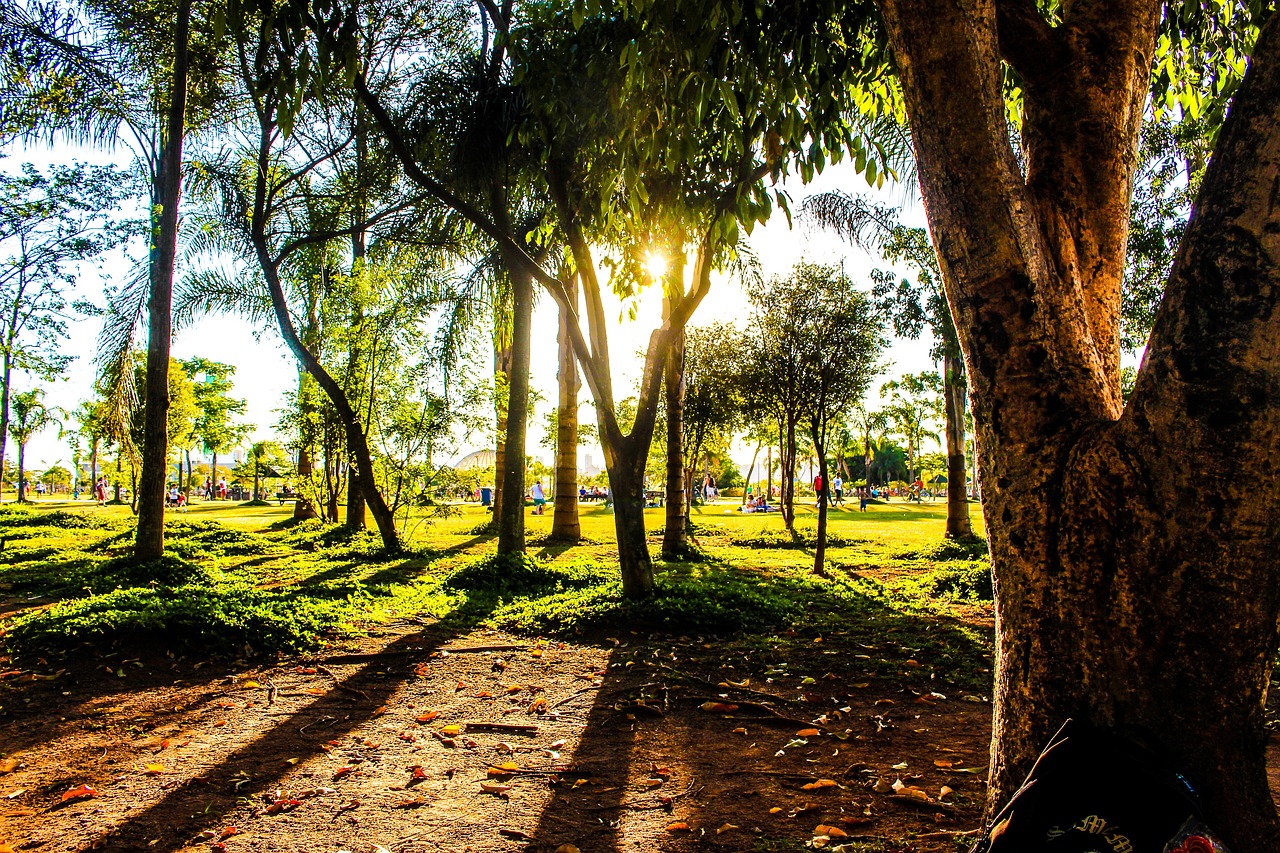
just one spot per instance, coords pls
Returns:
(209, 290)
(117, 343)
(864, 223)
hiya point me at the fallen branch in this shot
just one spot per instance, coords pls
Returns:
(472, 649)
(506, 728)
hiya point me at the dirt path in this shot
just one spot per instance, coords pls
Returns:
(349, 750)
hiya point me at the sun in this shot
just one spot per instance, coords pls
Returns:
(656, 264)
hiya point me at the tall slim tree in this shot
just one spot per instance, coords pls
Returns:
(30, 416)
(214, 427)
(164, 244)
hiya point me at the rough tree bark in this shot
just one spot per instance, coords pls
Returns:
(564, 523)
(149, 544)
(1135, 575)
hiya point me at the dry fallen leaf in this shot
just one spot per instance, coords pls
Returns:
(428, 717)
(946, 789)
(538, 706)
(775, 810)
(8, 765)
(740, 730)
(830, 831)
(808, 733)
(494, 788)
(568, 848)
(154, 769)
(719, 707)
(79, 793)
(944, 763)
(451, 730)
(678, 826)
(410, 804)
(728, 827)
(821, 783)
(504, 769)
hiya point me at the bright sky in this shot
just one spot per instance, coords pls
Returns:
(265, 369)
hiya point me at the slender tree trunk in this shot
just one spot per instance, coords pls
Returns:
(355, 353)
(213, 474)
(347, 416)
(155, 448)
(255, 478)
(768, 466)
(675, 539)
(564, 524)
(22, 477)
(817, 433)
(93, 466)
(954, 392)
(511, 520)
(4, 407)
(501, 367)
(750, 470)
(788, 476)
(1135, 574)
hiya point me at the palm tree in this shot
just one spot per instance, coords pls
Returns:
(916, 401)
(29, 415)
(259, 452)
(91, 424)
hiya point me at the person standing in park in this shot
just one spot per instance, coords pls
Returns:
(817, 490)
(539, 498)
(837, 486)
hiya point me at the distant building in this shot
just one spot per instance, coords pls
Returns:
(588, 468)
(485, 458)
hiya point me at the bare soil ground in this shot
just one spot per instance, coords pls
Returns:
(624, 745)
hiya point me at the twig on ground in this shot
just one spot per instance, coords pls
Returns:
(510, 728)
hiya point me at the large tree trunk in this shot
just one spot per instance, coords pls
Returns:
(168, 189)
(1135, 575)
(954, 390)
(626, 484)
(564, 523)
(679, 492)
(511, 518)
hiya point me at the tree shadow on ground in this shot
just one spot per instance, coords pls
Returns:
(203, 802)
(657, 758)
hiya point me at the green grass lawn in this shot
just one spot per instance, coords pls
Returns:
(240, 580)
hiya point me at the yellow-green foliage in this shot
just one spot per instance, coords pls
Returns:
(238, 579)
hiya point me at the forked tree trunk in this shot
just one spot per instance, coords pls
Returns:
(149, 544)
(954, 392)
(1136, 581)
(679, 491)
(564, 523)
